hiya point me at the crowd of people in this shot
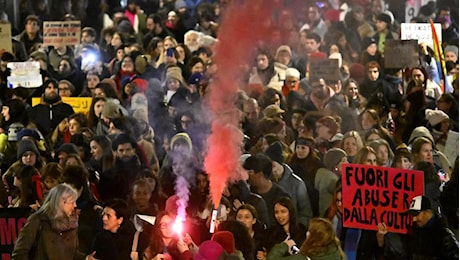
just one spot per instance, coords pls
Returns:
(148, 68)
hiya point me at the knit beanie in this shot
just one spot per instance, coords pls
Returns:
(183, 138)
(451, 48)
(275, 152)
(209, 250)
(26, 146)
(357, 72)
(420, 131)
(28, 132)
(292, 72)
(384, 18)
(226, 240)
(110, 110)
(67, 148)
(13, 131)
(285, 48)
(333, 157)
(435, 117)
(174, 73)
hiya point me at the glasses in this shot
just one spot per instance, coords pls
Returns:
(165, 225)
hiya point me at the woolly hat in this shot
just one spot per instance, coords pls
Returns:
(16, 109)
(226, 240)
(181, 138)
(195, 78)
(174, 73)
(140, 83)
(308, 141)
(420, 131)
(39, 55)
(28, 132)
(357, 72)
(67, 148)
(123, 139)
(69, 84)
(292, 72)
(451, 48)
(171, 205)
(110, 110)
(435, 117)
(333, 157)
(384, 18)
(209, 250)
(285, 48)
(332, 15)
(26, 146)
(180, 4)
(337, 56)
(367, 42)
(13, 131)
(275, 152)
(125, 27)
(272, 111)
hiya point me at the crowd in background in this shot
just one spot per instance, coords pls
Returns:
(148, 68)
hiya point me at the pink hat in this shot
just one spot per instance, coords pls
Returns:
(209, 250)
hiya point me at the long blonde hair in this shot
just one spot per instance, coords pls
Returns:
(321, 236)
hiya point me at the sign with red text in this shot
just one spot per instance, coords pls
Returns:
(374, 194)
(11, 222)
(61, 33)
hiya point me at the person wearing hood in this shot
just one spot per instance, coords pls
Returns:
(51, 110)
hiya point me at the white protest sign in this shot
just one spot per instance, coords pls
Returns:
(420, 32)
(24, 74)
(451, 148)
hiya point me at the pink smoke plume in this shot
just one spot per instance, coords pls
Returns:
(244, 26)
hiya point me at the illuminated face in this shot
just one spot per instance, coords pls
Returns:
(64, 66)
(245, 216)
(381, 26)
(352, 90)
(426, 153)
(262, 62)
(92, 81)
(6, 113)
(367, 121)
(418, 77)
(74, 126)
(283, 57)
(98, 107)
(49, 183)
(296, 118)
(450, 56)
(110, 220)
(350, 146)
(172, 17)
(86, 38)
(382, 154)
(29, 158)
(302, 151)
(313, 14)
(403, 163)
(127, 65)
(32, 26)
(311, 46)
(150, 24)
(67, 205)
(141, 196)
(64, 90)
(251, 112)
(198, 67)
(372, 49)
(281, 214)
(166, 224)
(180, 50)
(96, 150)
(125, 151)
(173, 84)
(116, 40)
(373, 74)
(371, 159)
(338, 201)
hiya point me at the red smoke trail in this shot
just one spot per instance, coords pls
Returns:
(243, 27)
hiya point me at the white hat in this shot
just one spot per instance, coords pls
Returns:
(292, 72)
(435, 117)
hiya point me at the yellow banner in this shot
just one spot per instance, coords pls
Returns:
(79, 104)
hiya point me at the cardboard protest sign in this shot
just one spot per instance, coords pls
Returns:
(61, 33)
(451, 148)
(24, 74)
(11, 222)
(5, 38)
(401, 54)
(327, 69)
(420, 32)
(79, 104)
(374, 194)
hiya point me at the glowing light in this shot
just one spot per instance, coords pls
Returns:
(178, 225)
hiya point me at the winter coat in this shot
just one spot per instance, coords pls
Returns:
(48, 116)
(325, 182)
(280, 252)
(43, 238)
